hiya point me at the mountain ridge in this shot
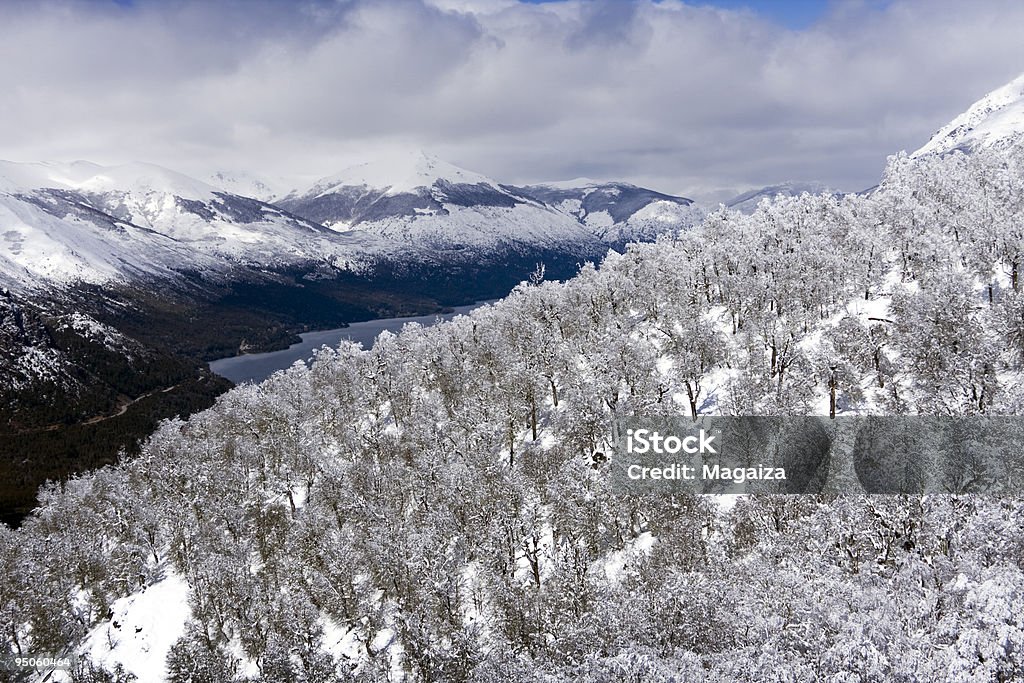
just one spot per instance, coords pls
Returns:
(747, 202)
(65, 222)
(995, 119)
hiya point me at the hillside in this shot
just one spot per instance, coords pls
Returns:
(995, 120)
(619, 213)
(444, 506)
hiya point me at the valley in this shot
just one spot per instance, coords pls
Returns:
(132, 278)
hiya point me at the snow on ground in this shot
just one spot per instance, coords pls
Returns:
(45, 247)
(599, 219)
(615, 565)
(573, 184)
(18, 177)
(246, 184)
(90, 328)
(142, 630)
(37, 363)
(726, 501)
(668, 212)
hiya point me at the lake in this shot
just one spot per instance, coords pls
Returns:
(256, 367)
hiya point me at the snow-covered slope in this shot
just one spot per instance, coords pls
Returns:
(51, 237)
(618, 212)
(84, 222)
(141, 630)
(996, 119)
(747, 202)
(399, 173)
(596, 203)
(247, 185)
(87, 177)
(418, 199)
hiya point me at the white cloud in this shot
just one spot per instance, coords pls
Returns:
(683, 98)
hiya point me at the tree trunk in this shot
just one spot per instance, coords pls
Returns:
(151, 536)
(533, 557)
(693, 401)
(511, 442)
(832, 383)
(533, 415)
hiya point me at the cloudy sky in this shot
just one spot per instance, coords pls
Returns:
(693, 97)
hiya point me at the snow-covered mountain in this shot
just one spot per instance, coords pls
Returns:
(80, 221)
(994, 120)
(617, 212)
(747, 201)
(178, 271)
(246, 184)
(61, 223)
(401, 172)
(418, 199)
(52, 237)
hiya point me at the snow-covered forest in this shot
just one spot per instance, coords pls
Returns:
(433, 510)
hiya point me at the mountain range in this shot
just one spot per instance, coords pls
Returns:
(62, 224)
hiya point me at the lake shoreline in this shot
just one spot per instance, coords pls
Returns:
(257, 366)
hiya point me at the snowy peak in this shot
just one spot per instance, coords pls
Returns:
(86, 222)
(146, 179)
(241, 184)
(417, 198)
(85, 176)
(617, 212)
(407, 188)
(995, 119)
(399, 173)
(21, 177)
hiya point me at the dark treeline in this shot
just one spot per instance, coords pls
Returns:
(63, 374)
(75, 393)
